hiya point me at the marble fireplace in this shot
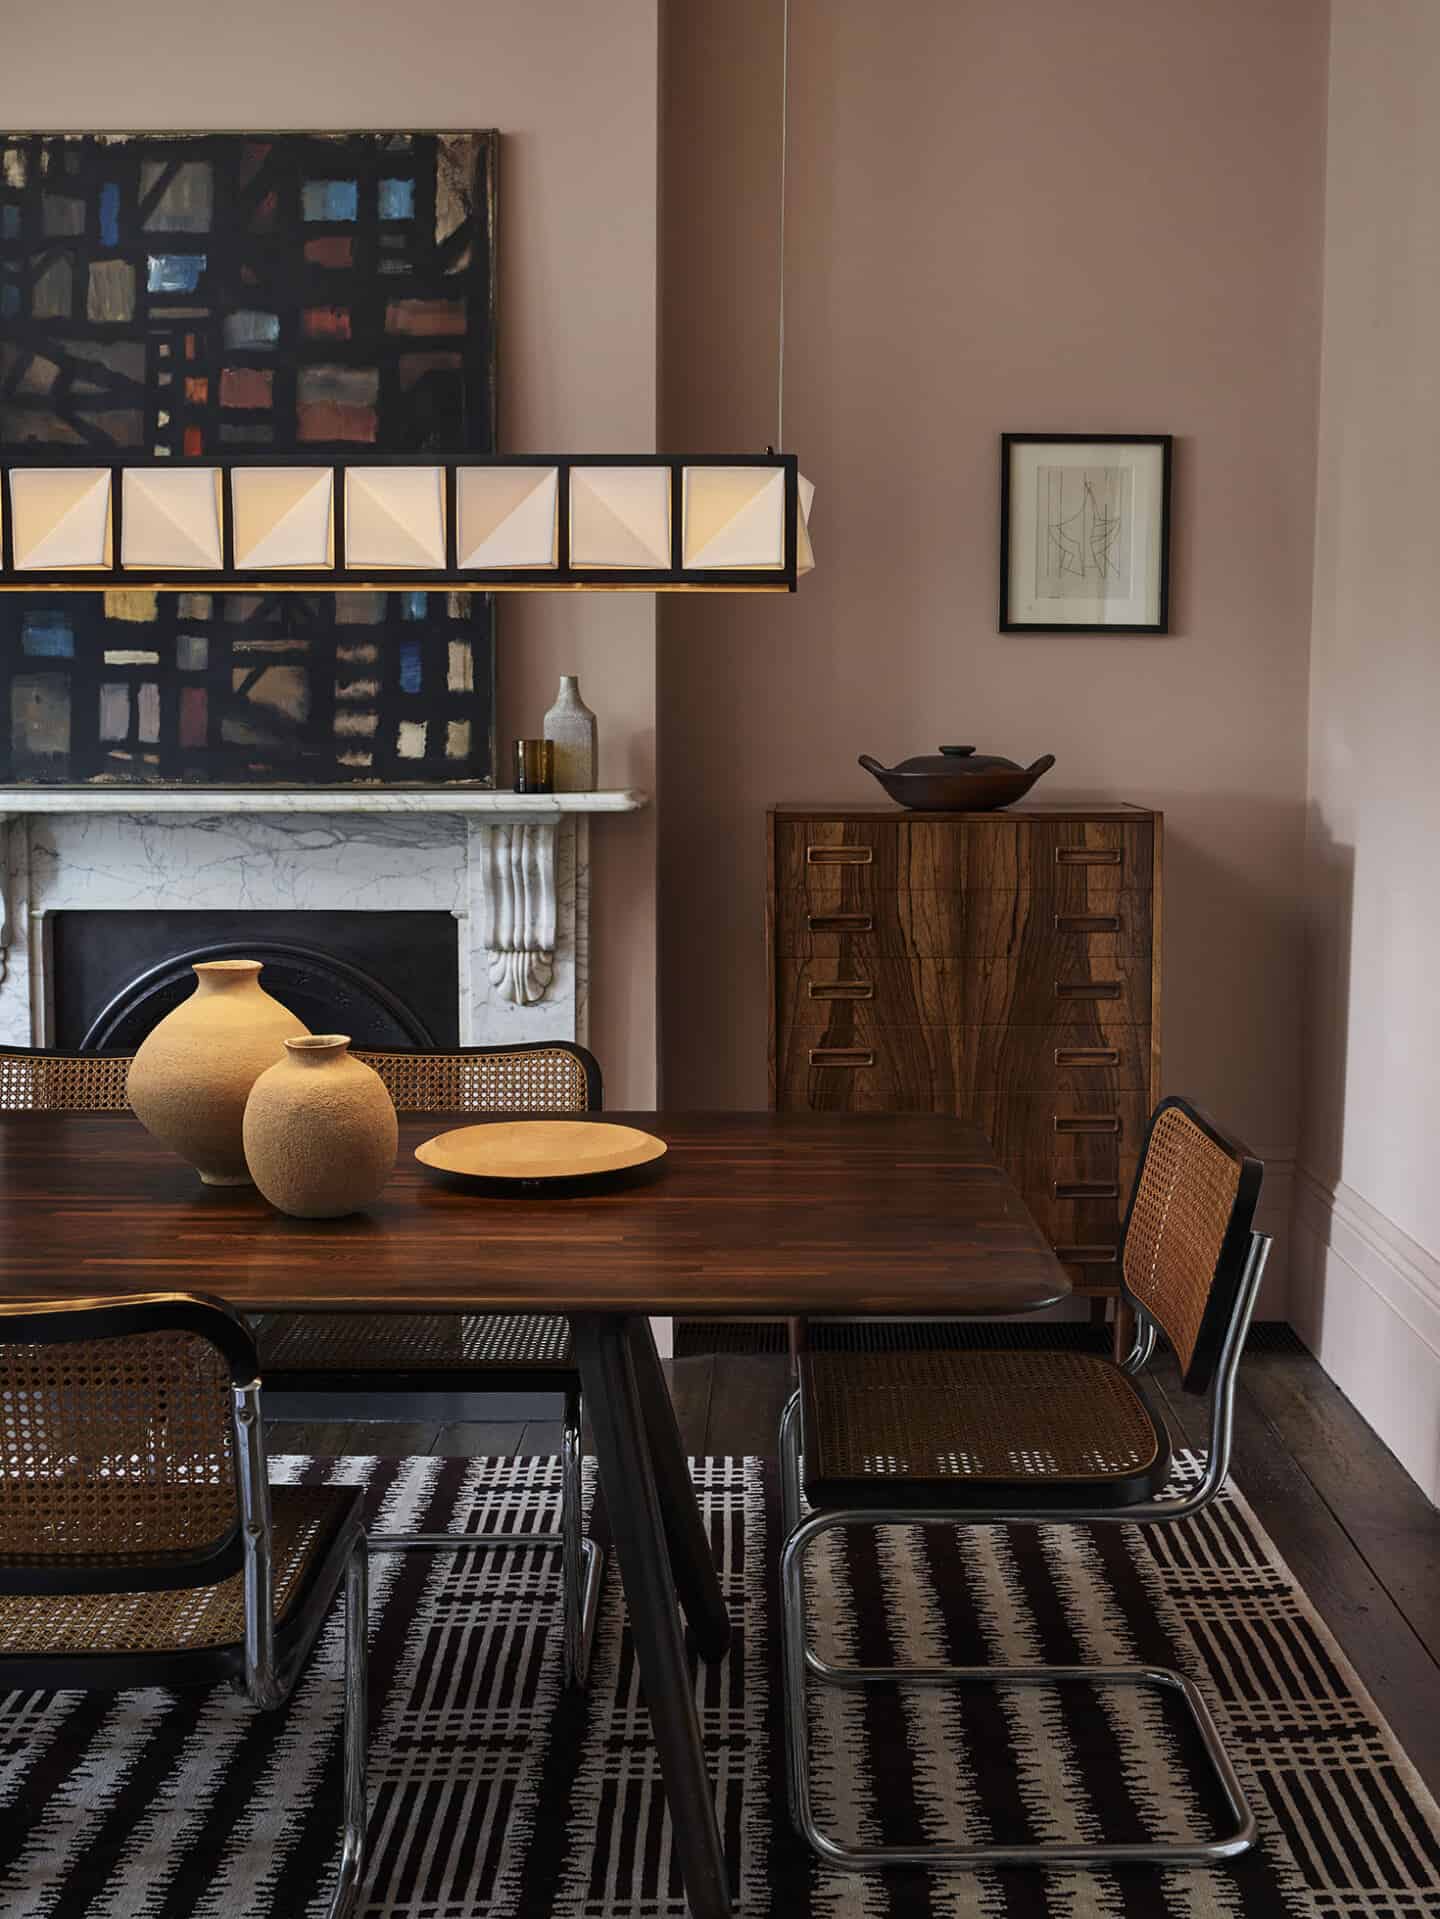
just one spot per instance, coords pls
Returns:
(511, 870)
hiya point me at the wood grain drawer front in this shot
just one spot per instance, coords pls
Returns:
(1026, 856)
(907, 1072)
(1055, 1180)
(830, 856)
(1098, 1000)
(1070, 1133)
(930, 924)
(1000, 855)
(984, 1058)
(1075, 1222)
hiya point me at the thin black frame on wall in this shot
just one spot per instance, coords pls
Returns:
(1105, 527)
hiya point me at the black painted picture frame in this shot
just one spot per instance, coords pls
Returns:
(1085, 533)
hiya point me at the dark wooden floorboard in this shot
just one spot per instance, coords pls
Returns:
(745, 1401)
(481, 1439)
(336, 1437)
(1384, 1512)
(692, 1388)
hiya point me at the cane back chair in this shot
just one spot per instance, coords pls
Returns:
(140, 1541)
(34, 1079)
(994, 1437)
(384, 1356)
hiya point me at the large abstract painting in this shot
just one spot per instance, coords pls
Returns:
(188, 294)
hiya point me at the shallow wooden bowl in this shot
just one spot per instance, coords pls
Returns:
(538, 1151)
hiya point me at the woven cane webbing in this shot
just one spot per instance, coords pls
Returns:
(545, 1081)
(302, 1524)
(414, 1342)
(114, 1448)
(1180, 1215)
(62, 1082)
(1020, 1419)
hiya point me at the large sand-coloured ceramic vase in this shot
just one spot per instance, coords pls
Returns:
(320, 1132)
(192, 1075)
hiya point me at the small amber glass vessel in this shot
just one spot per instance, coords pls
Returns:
(534, 766)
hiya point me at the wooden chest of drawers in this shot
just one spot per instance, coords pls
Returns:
(1004, 966)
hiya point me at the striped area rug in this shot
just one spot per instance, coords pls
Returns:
(495, 1795)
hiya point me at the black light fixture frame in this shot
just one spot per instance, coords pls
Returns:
(562, 577)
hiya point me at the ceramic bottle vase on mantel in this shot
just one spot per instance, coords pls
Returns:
(571, 725)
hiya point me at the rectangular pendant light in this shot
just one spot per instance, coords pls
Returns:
(328, 522)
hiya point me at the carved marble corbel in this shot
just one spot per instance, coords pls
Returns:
(517, 922)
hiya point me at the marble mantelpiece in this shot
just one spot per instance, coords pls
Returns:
(512, 868)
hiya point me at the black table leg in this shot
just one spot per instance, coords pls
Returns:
(605, 1352)
(692, 1563)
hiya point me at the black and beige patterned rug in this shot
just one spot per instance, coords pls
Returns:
(497, 1796)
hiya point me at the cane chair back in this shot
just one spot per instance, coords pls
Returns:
(1187, 1234)
(36, 1081)
(117, 1467)
(543, 1078)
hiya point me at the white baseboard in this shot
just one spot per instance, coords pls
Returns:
(1365, 1298)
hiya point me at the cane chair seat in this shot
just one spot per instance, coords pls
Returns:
(306, 1522)
(425, 1349)
(1004, 1429)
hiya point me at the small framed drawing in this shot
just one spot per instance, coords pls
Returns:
(1084, 533)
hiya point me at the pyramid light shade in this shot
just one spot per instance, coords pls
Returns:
(171, 518)
(508, 515)
(620, 516)
(284, 517)
(734, 516)
(60, 518)
(395, 516)
(804, 551)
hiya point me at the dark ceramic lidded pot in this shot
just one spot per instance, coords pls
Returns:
(957, 779)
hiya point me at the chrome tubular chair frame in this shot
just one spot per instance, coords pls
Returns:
(582, 1564)
(800, 1659)
(268, 1682)
(267, 1670)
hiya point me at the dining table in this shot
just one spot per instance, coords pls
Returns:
(747, 1214)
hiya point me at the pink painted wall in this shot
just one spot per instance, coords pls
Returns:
(572, 87)
(1366, 1290)
(1034, 217)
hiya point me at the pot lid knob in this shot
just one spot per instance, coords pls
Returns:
(957, 752)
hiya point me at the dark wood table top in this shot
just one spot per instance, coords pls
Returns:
(787, 1213)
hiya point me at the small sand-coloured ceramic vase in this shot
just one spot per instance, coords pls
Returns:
(320, 1132)
(192, 1075)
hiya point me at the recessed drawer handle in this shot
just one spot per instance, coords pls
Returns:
(1087, 1122)
(1086, 1255)
(1087, 1055)
(839, 855)
(1089, 988)
(842, 989)
(1085, 1189)
(840, 922)
(850, 1056)
(1087, 855)
(1087, 922)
